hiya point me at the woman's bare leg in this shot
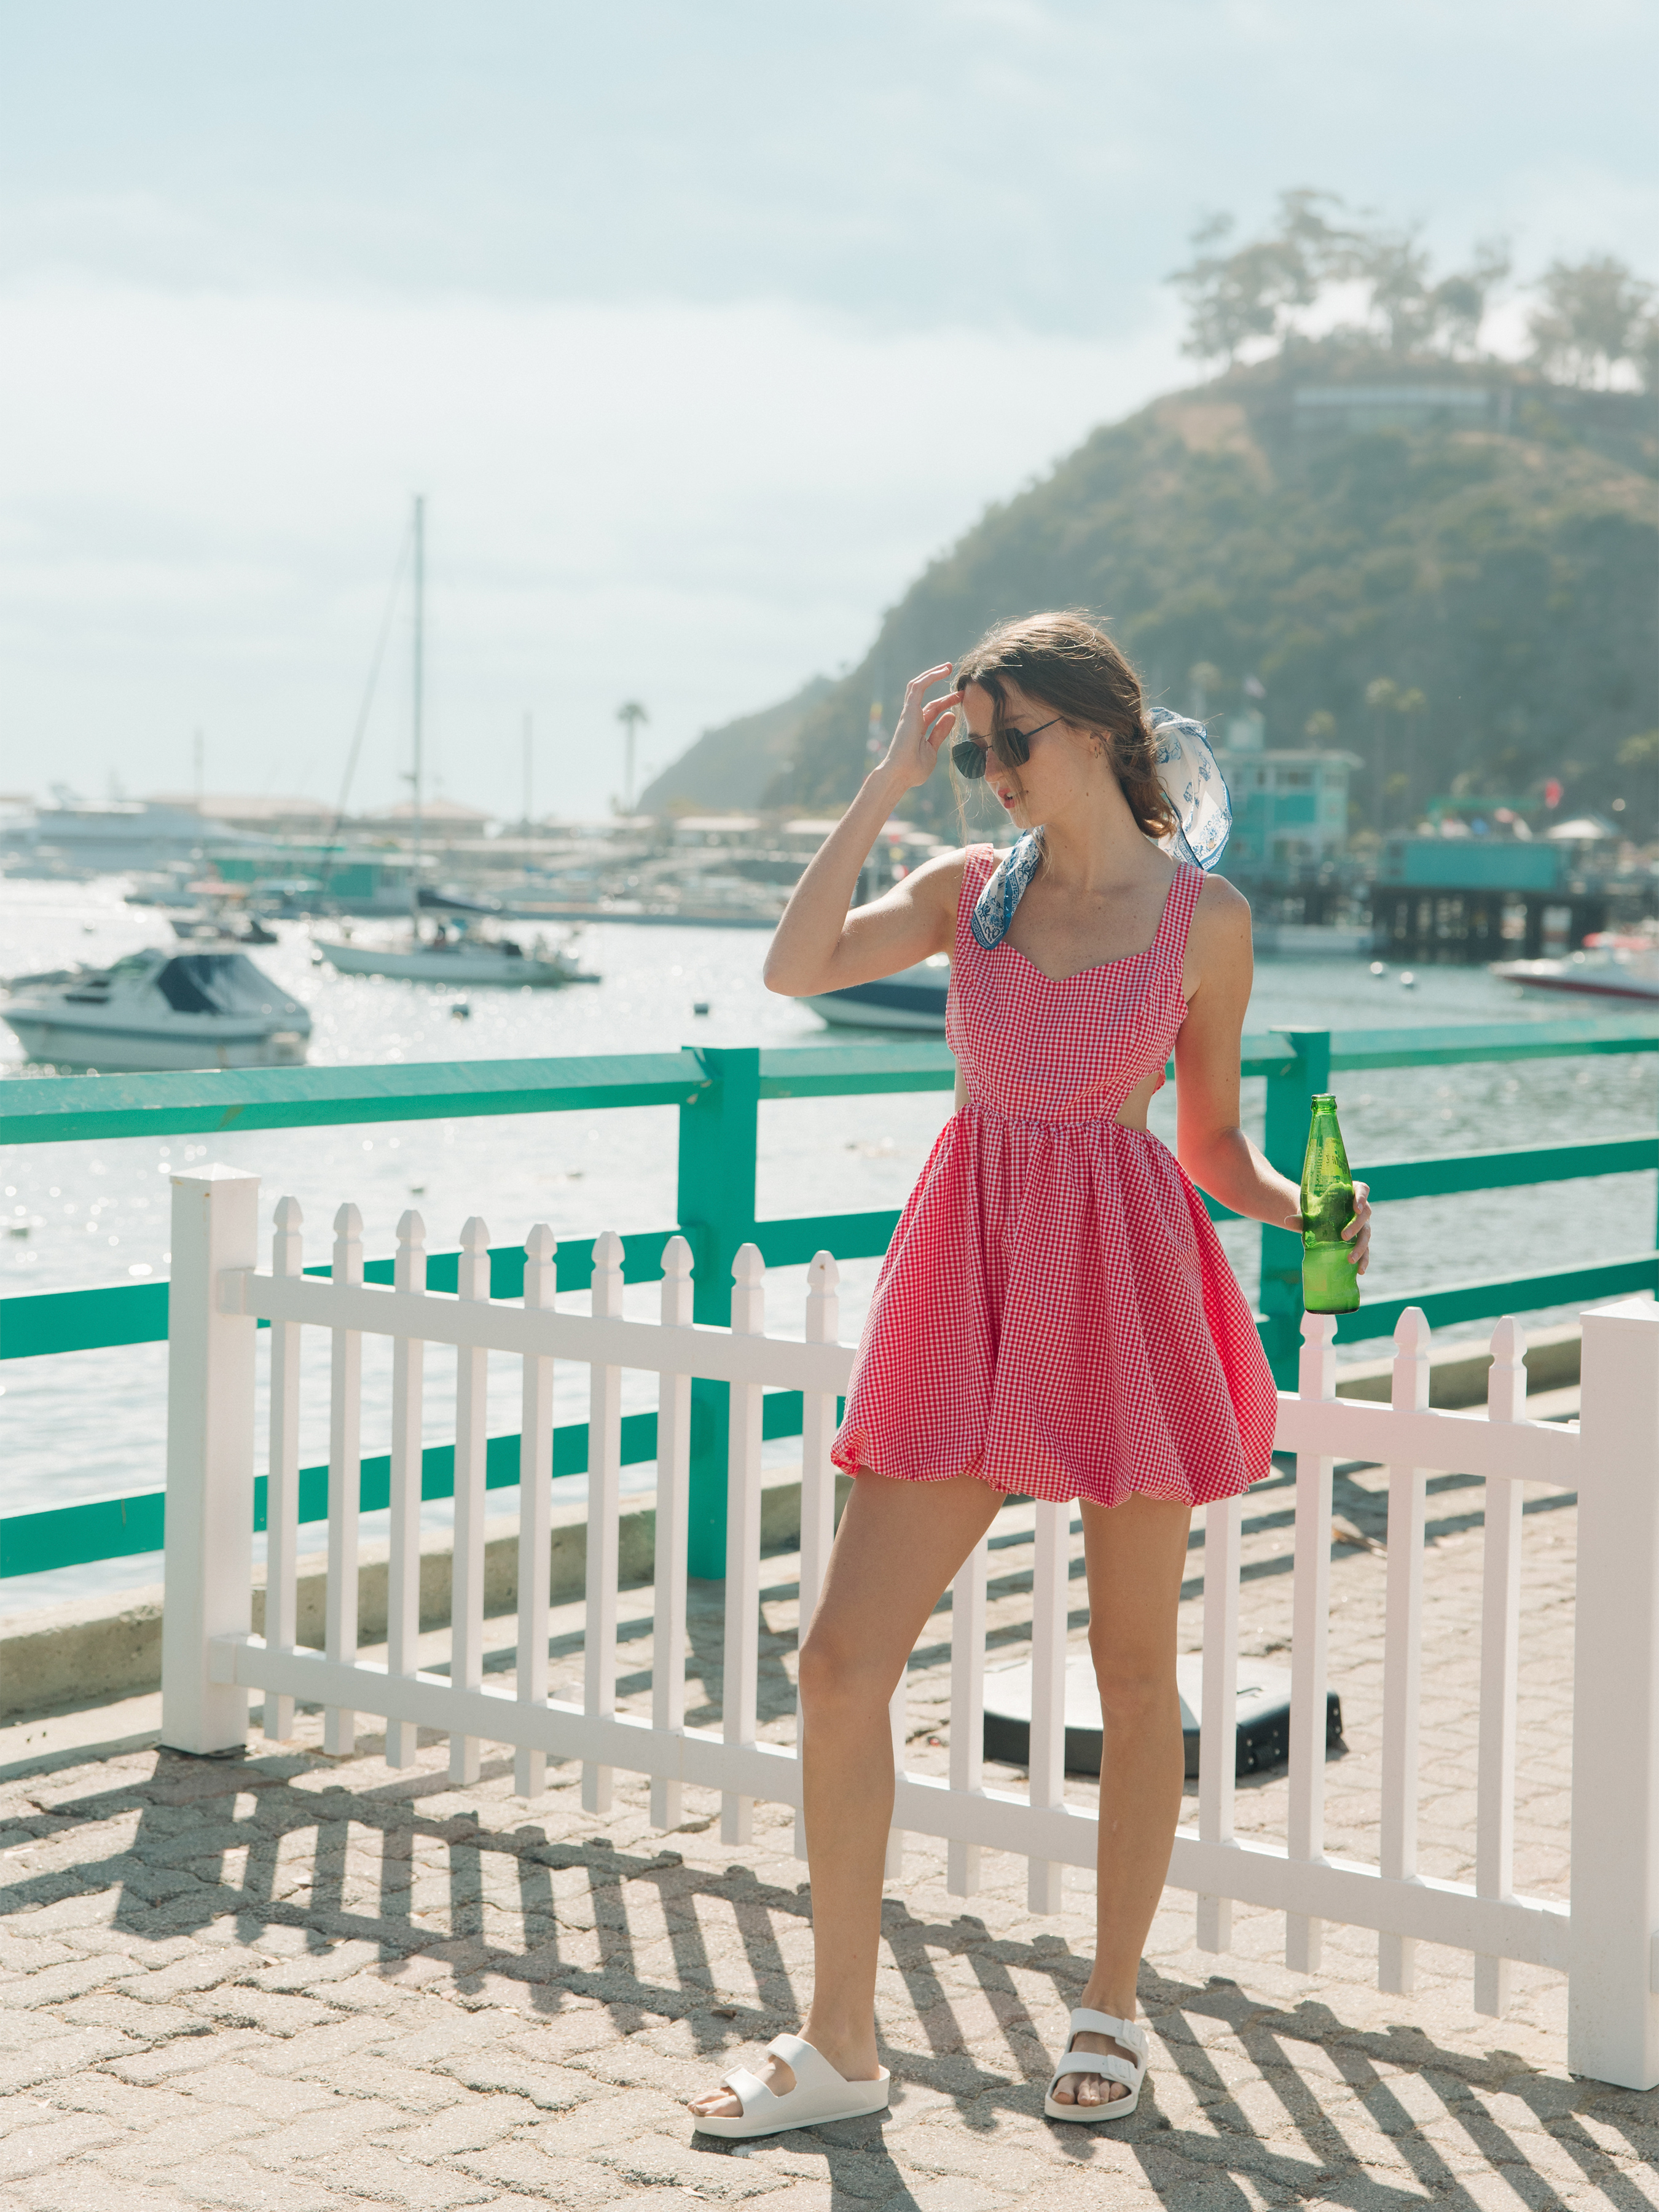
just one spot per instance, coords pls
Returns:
(1137, 1554)
(895, 1552)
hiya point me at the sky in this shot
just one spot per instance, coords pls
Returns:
(700, 329)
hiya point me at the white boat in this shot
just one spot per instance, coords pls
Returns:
(460, 958)
(158, 1011)
(1610, 967)
(912, 999)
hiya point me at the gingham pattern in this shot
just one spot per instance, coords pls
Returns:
(1055, 1314)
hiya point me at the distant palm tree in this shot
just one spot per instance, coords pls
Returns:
(630, 715)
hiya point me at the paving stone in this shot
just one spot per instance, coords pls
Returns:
(32, 2146)
(519, 2165)
(162, 2150)
(390, 2177)
(142, 2023)
(184, 2054)
(337, 2125)
(51, 2057)
(473, 2125)
(85, 2188)
(549, 2088)
(60, 1983)
(237, 2005)
(270, 2097)
(232, 2182)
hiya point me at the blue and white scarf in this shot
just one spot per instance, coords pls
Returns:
(1193, 784)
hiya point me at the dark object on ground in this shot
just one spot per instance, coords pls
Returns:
(1264, 1715)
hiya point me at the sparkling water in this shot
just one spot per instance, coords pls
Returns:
(81, 1425)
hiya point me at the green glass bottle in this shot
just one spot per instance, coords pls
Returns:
(1329, 1281)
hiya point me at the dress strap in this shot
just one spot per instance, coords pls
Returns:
(1179, 906)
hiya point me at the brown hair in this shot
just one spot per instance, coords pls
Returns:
(1071, 665)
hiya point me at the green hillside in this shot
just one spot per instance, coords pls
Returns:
(1470, 533)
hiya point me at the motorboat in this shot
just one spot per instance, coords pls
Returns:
(460, 956)
(1610, 966)
(223, 925)
(912, 999)
(158, 1010)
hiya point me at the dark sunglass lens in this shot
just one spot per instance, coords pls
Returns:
(970, 760)
(1012, 748)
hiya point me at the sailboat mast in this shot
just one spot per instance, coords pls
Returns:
(418, 704)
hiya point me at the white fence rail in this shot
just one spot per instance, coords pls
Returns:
(1604, 1938)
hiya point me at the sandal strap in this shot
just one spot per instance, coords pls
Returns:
(1106, 2062)
(748, 2088)
(1085, 2022)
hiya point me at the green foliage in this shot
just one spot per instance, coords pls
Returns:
(1262, 289)
(1499, 591)
(1591, 317)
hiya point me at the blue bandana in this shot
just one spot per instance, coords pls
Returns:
(1193, 784)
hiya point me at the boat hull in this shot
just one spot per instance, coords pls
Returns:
(474, 968)
(1585, 983)
(116, 1051)
(913, 1001)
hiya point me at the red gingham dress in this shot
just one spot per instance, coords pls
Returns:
(1055, 1314)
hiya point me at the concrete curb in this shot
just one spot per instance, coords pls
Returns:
(1457, 1376)
(101, 1648)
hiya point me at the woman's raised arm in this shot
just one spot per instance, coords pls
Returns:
(819, 946)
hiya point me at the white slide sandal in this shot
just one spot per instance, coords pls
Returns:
(1107, 2064)
(820, 2094)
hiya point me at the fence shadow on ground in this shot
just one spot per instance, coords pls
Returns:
(216, 1842)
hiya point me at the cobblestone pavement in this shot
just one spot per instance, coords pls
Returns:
(281, 1980)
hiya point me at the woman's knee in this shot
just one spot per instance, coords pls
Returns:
(1134, 1685)
(835, 1676)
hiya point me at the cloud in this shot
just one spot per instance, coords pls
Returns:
(698, 507)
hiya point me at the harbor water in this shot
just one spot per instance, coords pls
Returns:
(87, 1424)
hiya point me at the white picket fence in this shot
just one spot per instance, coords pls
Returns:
(1604, 1938)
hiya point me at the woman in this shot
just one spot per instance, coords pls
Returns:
(1055, 1316)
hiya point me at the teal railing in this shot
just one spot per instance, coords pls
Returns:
(718, 1093)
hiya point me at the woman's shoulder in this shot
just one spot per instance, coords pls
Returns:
(951, 868)
(1218, 899)
(1221, 916)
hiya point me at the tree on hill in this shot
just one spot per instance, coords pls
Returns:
(1592, 317)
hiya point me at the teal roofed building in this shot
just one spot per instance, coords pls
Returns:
(1289, 808)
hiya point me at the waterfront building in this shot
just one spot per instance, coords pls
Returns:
(270, 814)
(91, 837)
(1290, 807)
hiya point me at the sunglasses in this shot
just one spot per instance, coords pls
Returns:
(970, 756)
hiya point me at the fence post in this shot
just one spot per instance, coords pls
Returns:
(1612, 2015)
(208, 1565)
(1289, 1093)
(720, 1129)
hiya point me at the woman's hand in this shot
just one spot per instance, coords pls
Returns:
(1358, 1230)
(919, 731)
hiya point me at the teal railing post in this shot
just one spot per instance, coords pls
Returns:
(720, 1129)
(1290, 1092)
